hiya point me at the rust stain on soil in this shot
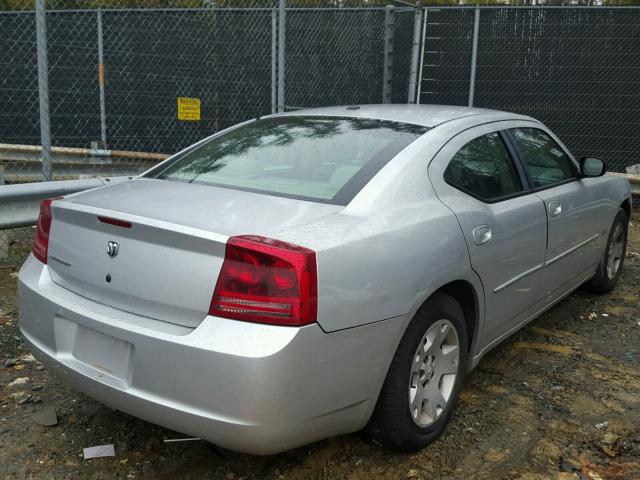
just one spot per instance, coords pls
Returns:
(545, 347)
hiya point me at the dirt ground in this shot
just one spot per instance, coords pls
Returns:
(558, 400)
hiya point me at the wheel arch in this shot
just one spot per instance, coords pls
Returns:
(465, 294)
(471, 300)
(626, 206)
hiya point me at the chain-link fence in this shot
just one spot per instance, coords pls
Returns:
(130, 82)
(117, 76)
(575, 69)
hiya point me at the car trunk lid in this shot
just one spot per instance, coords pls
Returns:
(168, 259)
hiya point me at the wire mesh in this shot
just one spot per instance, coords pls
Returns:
(19, 115)
(73, 93)
(334, 57)
(576, 70)
(447, 57)
(402, 44)
(151, 58)
(158, 52)
(119, 70)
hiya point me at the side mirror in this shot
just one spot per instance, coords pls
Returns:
(592, 167)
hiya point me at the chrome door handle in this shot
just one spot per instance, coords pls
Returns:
(482, 234)
(555, 208)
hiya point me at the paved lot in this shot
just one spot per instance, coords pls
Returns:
(560, 399)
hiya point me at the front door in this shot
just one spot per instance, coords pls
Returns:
(575, 229)
(505, 227)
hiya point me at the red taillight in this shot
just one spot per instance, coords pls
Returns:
(43, 227)
(268, 281)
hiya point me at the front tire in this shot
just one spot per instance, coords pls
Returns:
(425, 377)
(610, 266)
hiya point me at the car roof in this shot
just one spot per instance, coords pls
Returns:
(426, 115)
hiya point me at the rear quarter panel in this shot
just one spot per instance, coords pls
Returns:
(388, 250)
(388, 272)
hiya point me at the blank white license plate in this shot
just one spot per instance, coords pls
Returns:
(102, 352)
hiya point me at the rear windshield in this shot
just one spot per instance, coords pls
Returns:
(322, 159)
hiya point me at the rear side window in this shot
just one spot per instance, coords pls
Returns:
(484, 168)
(322, 159)
(545, 161)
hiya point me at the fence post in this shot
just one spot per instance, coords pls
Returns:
(387, 72)
(474, 55)
(43, 88)
(415, 54)
(425, 14)
(103, 109)
(282, 21)
(274, 61)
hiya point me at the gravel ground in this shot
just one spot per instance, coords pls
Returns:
(558, 400)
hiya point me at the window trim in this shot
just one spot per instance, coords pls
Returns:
(520, 166)
(524, 166)
(524, 181)
(524, 176)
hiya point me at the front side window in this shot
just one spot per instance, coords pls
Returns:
(545, 161)
(325, 159)
(484, 168)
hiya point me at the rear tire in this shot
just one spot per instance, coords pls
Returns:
(425, 377)
(612, 261)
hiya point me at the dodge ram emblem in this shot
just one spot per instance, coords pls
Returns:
(112, 248)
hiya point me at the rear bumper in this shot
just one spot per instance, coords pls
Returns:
(247, 387)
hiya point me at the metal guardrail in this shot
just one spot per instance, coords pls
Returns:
(23, 163)
(634, 181)
(20, 203)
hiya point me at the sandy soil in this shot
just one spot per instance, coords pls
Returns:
(560, 399)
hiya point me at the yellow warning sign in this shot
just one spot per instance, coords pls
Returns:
(189, 109)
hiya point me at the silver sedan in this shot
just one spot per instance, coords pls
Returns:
(318, 272)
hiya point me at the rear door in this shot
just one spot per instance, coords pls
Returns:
(574, 209)
(504, 226)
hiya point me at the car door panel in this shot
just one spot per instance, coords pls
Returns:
(575, 234)
(506, 241)
(574, 208)
(510, 263)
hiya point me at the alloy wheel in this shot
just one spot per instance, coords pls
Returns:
(616, 250)
(434, 370)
